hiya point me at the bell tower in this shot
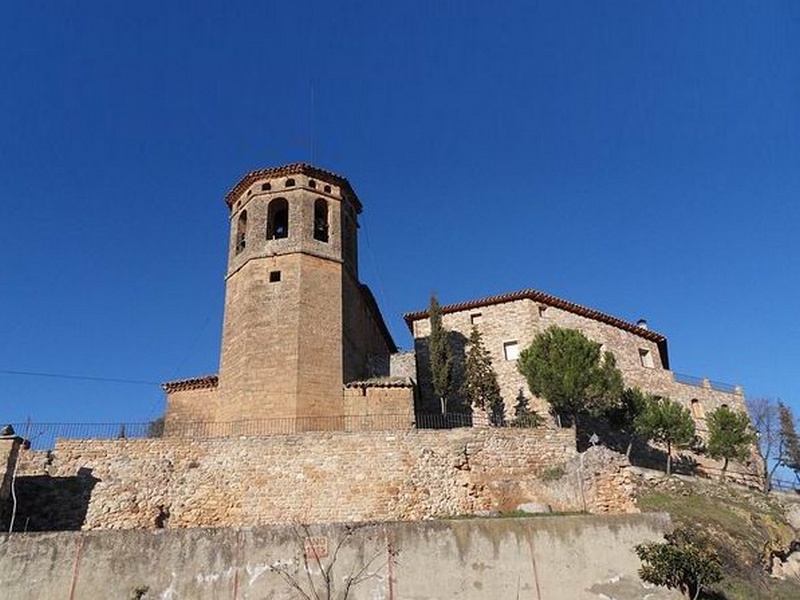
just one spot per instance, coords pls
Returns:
(292, 251)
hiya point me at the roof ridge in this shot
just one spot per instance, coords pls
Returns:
(536, 295)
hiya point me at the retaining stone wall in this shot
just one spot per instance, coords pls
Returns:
(310, 477)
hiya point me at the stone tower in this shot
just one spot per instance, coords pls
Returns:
(298, 324)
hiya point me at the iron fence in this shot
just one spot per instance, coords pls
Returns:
(702, 382)
(688, 379)
(785, 485)
(42, 436)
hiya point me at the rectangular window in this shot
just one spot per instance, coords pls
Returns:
(511, 350)
(646, 358)
(476, 318)
(542, 311)
(274, 276)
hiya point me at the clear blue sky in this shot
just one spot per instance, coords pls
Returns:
(642, 158)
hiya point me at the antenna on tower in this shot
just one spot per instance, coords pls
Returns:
(312, 128)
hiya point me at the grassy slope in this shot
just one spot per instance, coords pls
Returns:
(737, 521)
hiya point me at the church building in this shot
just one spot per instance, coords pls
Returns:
(304, 345)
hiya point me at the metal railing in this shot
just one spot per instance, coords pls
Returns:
(785, 485)
(42, 436)
(703, 382)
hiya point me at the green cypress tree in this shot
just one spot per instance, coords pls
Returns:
(480, 388)
(524, 415)
(441, 355)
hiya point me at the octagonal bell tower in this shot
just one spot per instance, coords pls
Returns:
(292, 269)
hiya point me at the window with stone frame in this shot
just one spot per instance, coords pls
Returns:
(697, 409)
(511, 350)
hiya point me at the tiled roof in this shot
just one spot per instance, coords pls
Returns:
(292, 169)
(537, 296)
(196, 383)
(382, 382)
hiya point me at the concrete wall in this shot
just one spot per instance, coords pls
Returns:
(555, 558)
(315, 477)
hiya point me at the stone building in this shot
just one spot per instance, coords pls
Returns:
(298, 324)
(509, 322)
(304, 345)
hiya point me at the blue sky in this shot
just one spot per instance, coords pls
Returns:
(637, 157)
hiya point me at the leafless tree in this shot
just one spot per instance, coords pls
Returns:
(316, 558)
(764, 415)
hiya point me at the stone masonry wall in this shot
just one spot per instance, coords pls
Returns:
(313, 477)
(191, 406)
(365, 349)
(379, 407)
(403, 364)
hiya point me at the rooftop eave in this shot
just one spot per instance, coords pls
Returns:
(195, 383)
(294, 169)
(549, 300)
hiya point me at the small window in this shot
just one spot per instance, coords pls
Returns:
(241, 232)
(321, 220)
(274, 276)
(697, 409)
(646, 358)
(327, 189)
(542, 311)
(265, 187)
(476, 318)
(290, 182)
(511, 350)
(278, 219)
(312, 183)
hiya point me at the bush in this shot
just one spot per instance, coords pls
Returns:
(684, 562)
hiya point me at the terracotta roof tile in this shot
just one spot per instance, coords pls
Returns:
(196, 383)
(537, 296)
(382, 382)
(292, 169)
